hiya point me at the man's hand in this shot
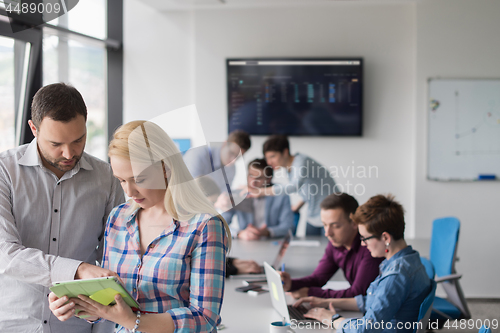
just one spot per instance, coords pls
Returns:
(302, 292)
(88, 271)
(287, 280)
(246, 266)
(264, 232)
(249, 233)
(62, 307)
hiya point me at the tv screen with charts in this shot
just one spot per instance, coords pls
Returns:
(298, 97)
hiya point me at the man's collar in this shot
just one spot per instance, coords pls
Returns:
(31, 157)
(84, 164)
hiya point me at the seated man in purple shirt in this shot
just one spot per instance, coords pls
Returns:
(344, 251)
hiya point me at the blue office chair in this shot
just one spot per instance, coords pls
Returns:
(425, 309)
(484, 329)
(444, 243)
(429, 267)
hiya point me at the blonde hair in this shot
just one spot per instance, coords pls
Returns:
(145, 144)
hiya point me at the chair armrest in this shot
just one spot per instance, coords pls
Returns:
(450, 277)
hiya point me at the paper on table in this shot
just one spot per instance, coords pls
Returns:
(309, 243)
(336, 285)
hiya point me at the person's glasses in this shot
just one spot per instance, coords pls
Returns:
(363, 239)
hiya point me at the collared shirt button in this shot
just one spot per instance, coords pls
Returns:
(134, 290)
(54, 239)
(45, 322)
(151, 246)
(55, 210)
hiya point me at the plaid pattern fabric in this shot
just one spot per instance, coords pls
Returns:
(181, 273)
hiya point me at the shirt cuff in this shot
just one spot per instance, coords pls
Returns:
(64, 269)
(360, 302)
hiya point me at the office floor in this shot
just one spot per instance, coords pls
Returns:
(480, 310)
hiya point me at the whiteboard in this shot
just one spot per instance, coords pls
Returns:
(463, 129)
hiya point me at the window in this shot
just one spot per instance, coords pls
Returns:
(82, 63)
(17, 75)
(85, 55)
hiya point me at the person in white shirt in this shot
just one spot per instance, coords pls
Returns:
(307, 177)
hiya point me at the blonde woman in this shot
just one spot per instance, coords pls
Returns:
(168, 244)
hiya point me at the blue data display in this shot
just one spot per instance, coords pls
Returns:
(295, 96)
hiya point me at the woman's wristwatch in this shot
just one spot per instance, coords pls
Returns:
(335, 317)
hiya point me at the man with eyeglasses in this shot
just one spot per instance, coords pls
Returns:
(345, 251)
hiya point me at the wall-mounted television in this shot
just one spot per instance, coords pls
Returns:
(297, 97)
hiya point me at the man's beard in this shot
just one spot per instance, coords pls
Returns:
(56, 163)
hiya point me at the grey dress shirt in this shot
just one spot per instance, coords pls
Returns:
(48, 226)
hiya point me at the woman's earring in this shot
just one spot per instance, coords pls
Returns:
(387, 247)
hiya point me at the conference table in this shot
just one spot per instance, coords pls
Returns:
(242, 312)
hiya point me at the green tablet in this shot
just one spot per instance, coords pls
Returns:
(102, 290)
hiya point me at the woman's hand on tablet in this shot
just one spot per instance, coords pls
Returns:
(119, 313)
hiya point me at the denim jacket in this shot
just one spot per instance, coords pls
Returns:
(393, 300)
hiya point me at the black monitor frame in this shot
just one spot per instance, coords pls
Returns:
(284, 59)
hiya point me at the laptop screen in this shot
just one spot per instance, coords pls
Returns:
(282, 251)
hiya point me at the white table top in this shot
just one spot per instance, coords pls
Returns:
(242, 312)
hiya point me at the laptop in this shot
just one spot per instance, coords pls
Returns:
(281, 253)
(285, 244)
(289, 312)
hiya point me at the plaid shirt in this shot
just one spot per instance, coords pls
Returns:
(181, 273)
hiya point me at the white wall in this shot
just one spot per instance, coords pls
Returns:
(459, 38)
(158, 61)
(384, 35)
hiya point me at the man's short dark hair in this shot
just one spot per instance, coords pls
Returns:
(241, 138)
(261, 164)
(276, 143)
(340, 200)
(59, 102)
